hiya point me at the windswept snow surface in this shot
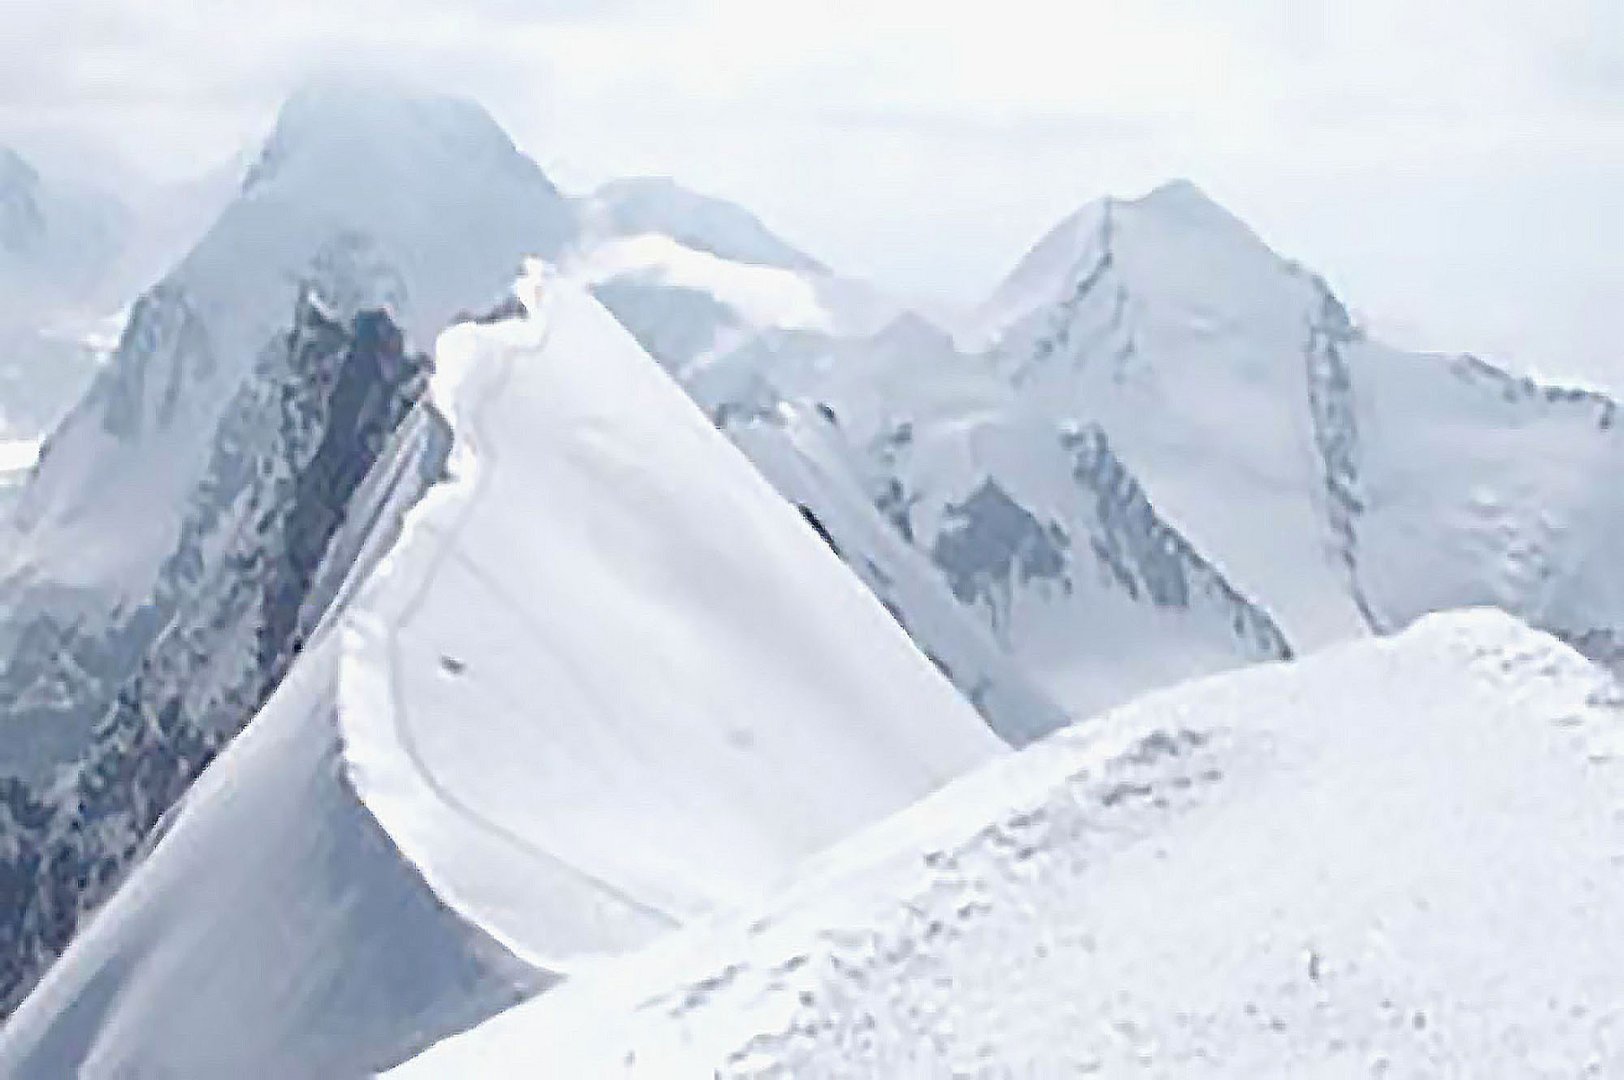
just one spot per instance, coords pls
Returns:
(368, 199)
(274, 931)
(1402, 857)
(630, 609)
(605, 681)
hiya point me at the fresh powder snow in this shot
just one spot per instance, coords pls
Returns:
(1401, 857)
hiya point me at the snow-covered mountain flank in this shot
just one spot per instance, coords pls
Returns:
(930, 474)
(1400, 857)
(160, 569)
(58, 240)
(562, 617)
(1342, 485)
(605, 681)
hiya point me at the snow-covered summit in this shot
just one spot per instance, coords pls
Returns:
(417, 205)
(637, 206)
(1044, 540)
(1184, 199)
(605, 680)
(1400, 857)
(1342, 485)
(1158, 234)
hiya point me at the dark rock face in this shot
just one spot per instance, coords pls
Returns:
(1149, 559)
(334, 406)
(1335, 420)
(819, 528)
(990, 542)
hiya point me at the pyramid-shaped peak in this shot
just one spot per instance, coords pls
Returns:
(1178, 191)
(1185, 202)
(329, 123)
(342, 103)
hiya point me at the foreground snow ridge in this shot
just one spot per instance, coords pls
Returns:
(602, 680)
(1403, 857)
(620, 600)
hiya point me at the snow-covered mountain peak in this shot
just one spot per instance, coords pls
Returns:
(423, 178)
(1174, 246)
(377, 198)
(601, 679)
(1185, 201)
(636, 206)
(332, 128)
(1178, 249)
(1239, 390)
(1173, 255)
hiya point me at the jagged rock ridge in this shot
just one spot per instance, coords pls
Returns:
(338, 394)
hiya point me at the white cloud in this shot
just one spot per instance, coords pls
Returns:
(1457, 169)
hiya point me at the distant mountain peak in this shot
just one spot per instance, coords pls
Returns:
(659, 204)
(1178, 193)
(329, 122)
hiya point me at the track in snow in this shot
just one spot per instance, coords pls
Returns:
(481, 459)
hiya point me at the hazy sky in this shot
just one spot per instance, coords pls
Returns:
(1455, 167)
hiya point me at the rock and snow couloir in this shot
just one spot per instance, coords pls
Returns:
(1399, 857)
(605, 681)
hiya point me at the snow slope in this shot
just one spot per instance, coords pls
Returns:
(639, 604)
(158, 570)
(1032, 522)
(58, 240)
(373, 200)
(1341, 485)
(1071, 592)
(1169, 323)
(380, 198)
(1399, 857)
(804, 456)
(605, 681)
